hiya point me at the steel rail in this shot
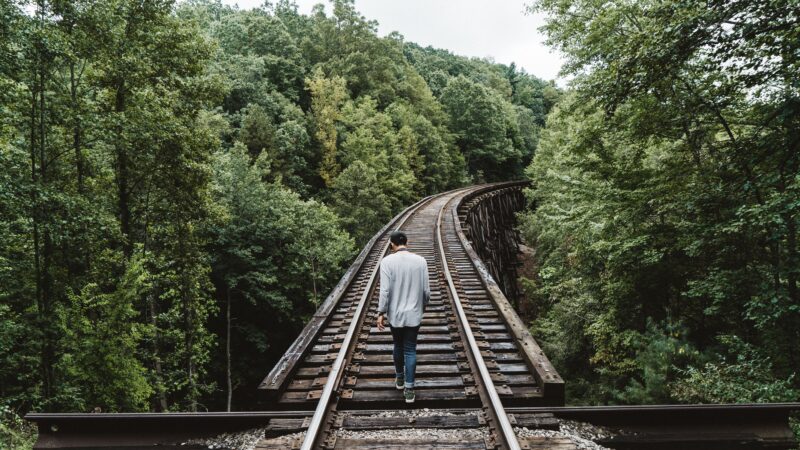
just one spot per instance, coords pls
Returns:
(506, 430)
(334, 376)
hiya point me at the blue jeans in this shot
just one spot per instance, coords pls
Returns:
(405, 353)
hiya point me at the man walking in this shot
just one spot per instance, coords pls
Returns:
(405, 291)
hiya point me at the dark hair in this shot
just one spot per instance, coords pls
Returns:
(398, 238)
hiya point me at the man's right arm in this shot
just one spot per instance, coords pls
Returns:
(383, 298)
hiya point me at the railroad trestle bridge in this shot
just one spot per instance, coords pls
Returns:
(483, 381)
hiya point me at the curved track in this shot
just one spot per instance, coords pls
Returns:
(469, 356)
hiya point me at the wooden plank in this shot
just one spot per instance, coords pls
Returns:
(526, 391)
(279, 443)
(497, 336)
(427, 337)
(546, 421)
(312, 372)
(422, 330)
(287, 425)
(526, 379)
(397, 395)
(547, 443)
(383, 423)
(422, 369)
(384, 358)
(503, 346)
(319, 358)
(487, 327)
(482, 307)
(506, 358)
(421, 348)
(486, 321)
(513, 368)
(409, 444)
(433, 382)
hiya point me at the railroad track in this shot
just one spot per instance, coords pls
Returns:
(635, 427)
(474, 355)
(482, 381)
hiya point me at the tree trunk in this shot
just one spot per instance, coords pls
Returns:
(37, 257)
(792, 257)
(123, 189)
(48, 353)
(228, 348)
(314, 283)
(76, 128)
(188, 323)
(162, 396)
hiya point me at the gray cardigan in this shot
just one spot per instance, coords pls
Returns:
(405, 289)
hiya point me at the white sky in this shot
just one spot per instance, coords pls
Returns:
(498, 29)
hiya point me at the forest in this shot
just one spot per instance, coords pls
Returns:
(183, 183)
(666, 202)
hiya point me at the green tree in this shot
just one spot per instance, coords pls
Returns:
(359, 201)
(102, 339)
(266, 247)
(436, 162)
(483, 124)
(372, 150)
(264, 40)
(152, 83)
(327, 97)
(741, 374)
(666, 185)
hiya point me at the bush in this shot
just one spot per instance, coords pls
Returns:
(741, 375)
(660, 352)
(15, 432)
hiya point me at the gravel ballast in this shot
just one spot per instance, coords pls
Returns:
(242, 440)
(581, 434)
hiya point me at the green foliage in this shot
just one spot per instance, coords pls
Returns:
(263, 40)
(794, 425)
(482, 122)
(659, 353)
(359, 201)
(327, 96)
(15, 433)
(102, 339)
(270, 243)
(741, 375)
(666, 193)
(436, 162)
(274, 258)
